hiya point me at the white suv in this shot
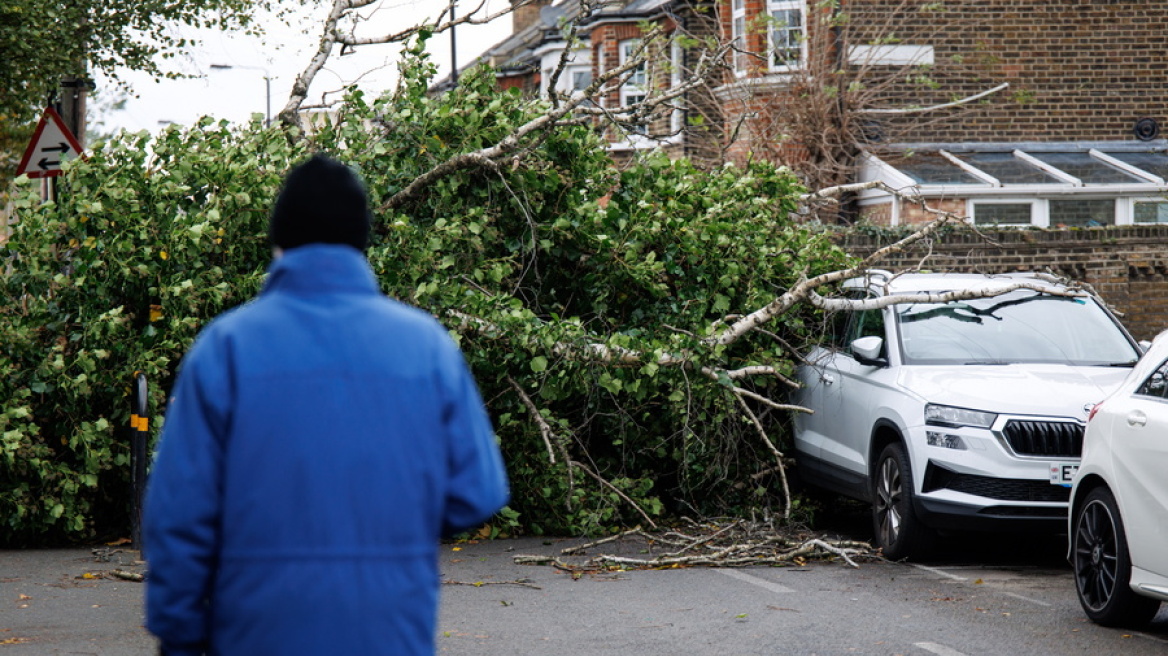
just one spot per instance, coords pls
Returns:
(960, 415)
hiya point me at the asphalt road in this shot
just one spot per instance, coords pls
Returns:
(988, 596)
(979, 596)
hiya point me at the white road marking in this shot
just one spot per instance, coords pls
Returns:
(939, 572)
(1018, 596)
(950, 575)
(754, 580)
(1150, 637)
(939, 650)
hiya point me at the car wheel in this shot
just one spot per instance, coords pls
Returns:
(899, 533)
(1103, 565)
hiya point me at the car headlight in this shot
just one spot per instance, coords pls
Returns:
(947, 415)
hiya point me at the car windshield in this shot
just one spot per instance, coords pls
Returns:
(1020, 326)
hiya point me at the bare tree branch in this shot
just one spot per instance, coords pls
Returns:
(471, 17)
(545, 429)
(933, 108)
(615, 490)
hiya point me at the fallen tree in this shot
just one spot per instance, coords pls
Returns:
(634, 330)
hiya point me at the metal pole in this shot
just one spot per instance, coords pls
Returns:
(453, 51)
(139, 437)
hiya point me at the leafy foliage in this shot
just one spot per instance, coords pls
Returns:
(46, 42)
(532, 265)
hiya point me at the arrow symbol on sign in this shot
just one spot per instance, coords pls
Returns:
(47, 163)
(62, 148)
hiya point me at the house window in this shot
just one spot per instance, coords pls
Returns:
(628, 51)
(738, 36)
(676, 55)
(633, 90)
(993, 214)
(786, 33)
(1150, 211)
(1079, 213)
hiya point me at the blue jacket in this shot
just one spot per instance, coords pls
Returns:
(318, 443)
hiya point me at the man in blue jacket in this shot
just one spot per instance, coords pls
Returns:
(319, 442)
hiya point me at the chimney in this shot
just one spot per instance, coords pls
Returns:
(525, 13)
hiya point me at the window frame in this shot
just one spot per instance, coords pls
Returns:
(774, 27)
(634, 89)
(1131, 209)
(738, 37)
(1032, 202)
(1115, 207)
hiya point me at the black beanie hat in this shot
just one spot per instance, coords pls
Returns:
(322, 202)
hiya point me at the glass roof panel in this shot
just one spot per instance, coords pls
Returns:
(1008, 169)
(1086, 168)
(1155, 163)
(930, 168)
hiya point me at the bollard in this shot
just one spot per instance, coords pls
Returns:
(139, 439)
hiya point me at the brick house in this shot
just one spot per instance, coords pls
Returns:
(1060, 128)
(1075, 139)
(607, 37)
(1031, 114)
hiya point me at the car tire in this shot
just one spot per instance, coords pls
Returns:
(1102, 565)
(899, 532)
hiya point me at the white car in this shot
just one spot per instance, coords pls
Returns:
(1119, 512)
(960, 415)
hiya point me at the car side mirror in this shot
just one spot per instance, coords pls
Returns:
(1145, 345)
(867, 351)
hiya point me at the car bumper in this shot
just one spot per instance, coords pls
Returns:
(950, 515)
(984, 486)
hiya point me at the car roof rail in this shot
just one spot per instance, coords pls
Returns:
(880, 274)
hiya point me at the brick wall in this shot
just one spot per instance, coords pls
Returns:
(1127, 265)
(1078, 69)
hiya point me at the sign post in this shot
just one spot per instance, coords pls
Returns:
(139, 436)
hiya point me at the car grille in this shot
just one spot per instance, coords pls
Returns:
(1052, 439)
(1003, 489)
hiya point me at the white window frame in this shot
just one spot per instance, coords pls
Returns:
(738, 37)
(1040, 208)
(639, 78)
(676, 117)
(1129, 208)
(634, 89)
(775, 26)
(1119, 203)
(1037, 210)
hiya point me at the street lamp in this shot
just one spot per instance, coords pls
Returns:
(267, 87)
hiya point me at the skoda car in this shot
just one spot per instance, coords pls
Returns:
(963, 414)
(1119, 517)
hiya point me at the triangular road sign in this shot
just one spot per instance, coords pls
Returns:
(51, 144)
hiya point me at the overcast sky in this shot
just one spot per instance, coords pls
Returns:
(236, 93)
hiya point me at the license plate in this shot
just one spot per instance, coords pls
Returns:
(1062, 473)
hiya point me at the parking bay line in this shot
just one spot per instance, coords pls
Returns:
(939, 650)
(754, 580)
(943, 573)
(938, 572)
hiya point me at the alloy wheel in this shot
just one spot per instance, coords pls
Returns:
(888, 496)
(1096, 555)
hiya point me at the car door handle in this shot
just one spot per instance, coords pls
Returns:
(827, 379)
(1137, 418)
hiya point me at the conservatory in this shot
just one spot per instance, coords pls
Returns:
(1034, 184)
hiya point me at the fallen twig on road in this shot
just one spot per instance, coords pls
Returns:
(126, 576)
(478, 584)
(737, 544)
